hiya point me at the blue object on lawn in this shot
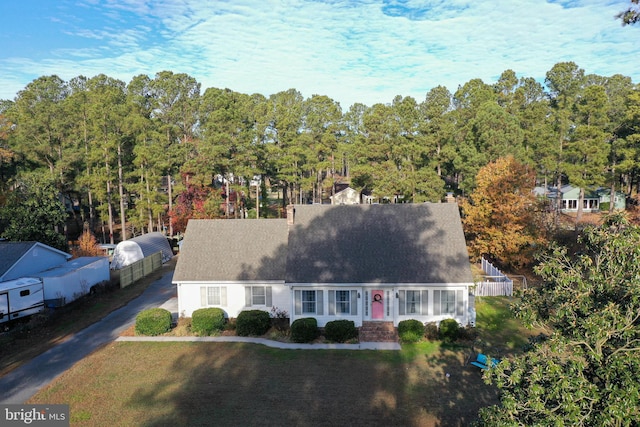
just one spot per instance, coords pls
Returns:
(482, 362)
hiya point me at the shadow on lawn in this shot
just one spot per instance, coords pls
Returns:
(231, 384)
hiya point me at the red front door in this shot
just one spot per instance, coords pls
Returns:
(377, 304)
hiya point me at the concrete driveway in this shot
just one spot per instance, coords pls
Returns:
(20, 384)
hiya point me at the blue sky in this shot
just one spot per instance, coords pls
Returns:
(364, 51)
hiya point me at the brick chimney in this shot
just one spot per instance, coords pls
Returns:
(291, 215)
(450, 198)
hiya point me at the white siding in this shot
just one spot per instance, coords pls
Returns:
(189, 297)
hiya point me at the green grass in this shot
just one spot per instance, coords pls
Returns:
(161, 383)
(498, 330)
(157, 383)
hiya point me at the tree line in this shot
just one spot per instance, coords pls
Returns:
(151, 150)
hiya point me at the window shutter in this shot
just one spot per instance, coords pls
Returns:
(269, 297)
(332, 303)
(223, 296)
(459, 303)
(424, 303)
(247, 296)
(203, 296)
(297, 296)
(354, 303)
(319, 303)
(401, 303)
(436, 303)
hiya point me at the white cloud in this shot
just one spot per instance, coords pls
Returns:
(366, 51)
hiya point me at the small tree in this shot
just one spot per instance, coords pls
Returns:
(87, 246)
(586, 373)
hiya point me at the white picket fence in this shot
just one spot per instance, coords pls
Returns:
(494, 283)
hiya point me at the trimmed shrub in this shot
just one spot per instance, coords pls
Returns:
(205, 321)
(304, 330)
(410, 330)
(252, 322)
(154, 321)
(431, 331)
(449, 330)
(340, 330)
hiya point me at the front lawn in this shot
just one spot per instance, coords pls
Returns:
(233, 384)
(156, 383)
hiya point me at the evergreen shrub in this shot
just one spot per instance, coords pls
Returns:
(152, 322)
(304, 330)
(252, 322)
(449, 330)
(205, 321)
(410, 330)
(340, 330)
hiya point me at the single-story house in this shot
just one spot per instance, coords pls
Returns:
(592, 201)
(22, 259)
(132, 250)
(364, 263)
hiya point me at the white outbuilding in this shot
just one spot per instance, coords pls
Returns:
(73, 279)
(132, 250)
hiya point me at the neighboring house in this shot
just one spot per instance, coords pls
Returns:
(570, 198)
(348, 196)
(22, 259)
(356, 262)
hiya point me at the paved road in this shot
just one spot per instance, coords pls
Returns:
(22, 383)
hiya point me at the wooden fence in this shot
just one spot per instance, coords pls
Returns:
(139, 269)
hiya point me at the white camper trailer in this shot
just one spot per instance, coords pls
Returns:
(20, 298)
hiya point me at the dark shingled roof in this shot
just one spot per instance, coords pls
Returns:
(401, 243)
(233, 250)
(11, 252)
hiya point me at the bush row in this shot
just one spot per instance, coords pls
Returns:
(205, 321)
(411, 331)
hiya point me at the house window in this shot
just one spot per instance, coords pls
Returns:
(308, 302)
(448, 302)
(343, 303)
(413, 302)
(258, 296)
(213, 296)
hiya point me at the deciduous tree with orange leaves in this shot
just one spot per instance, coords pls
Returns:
(501, 218)
(87, 246)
